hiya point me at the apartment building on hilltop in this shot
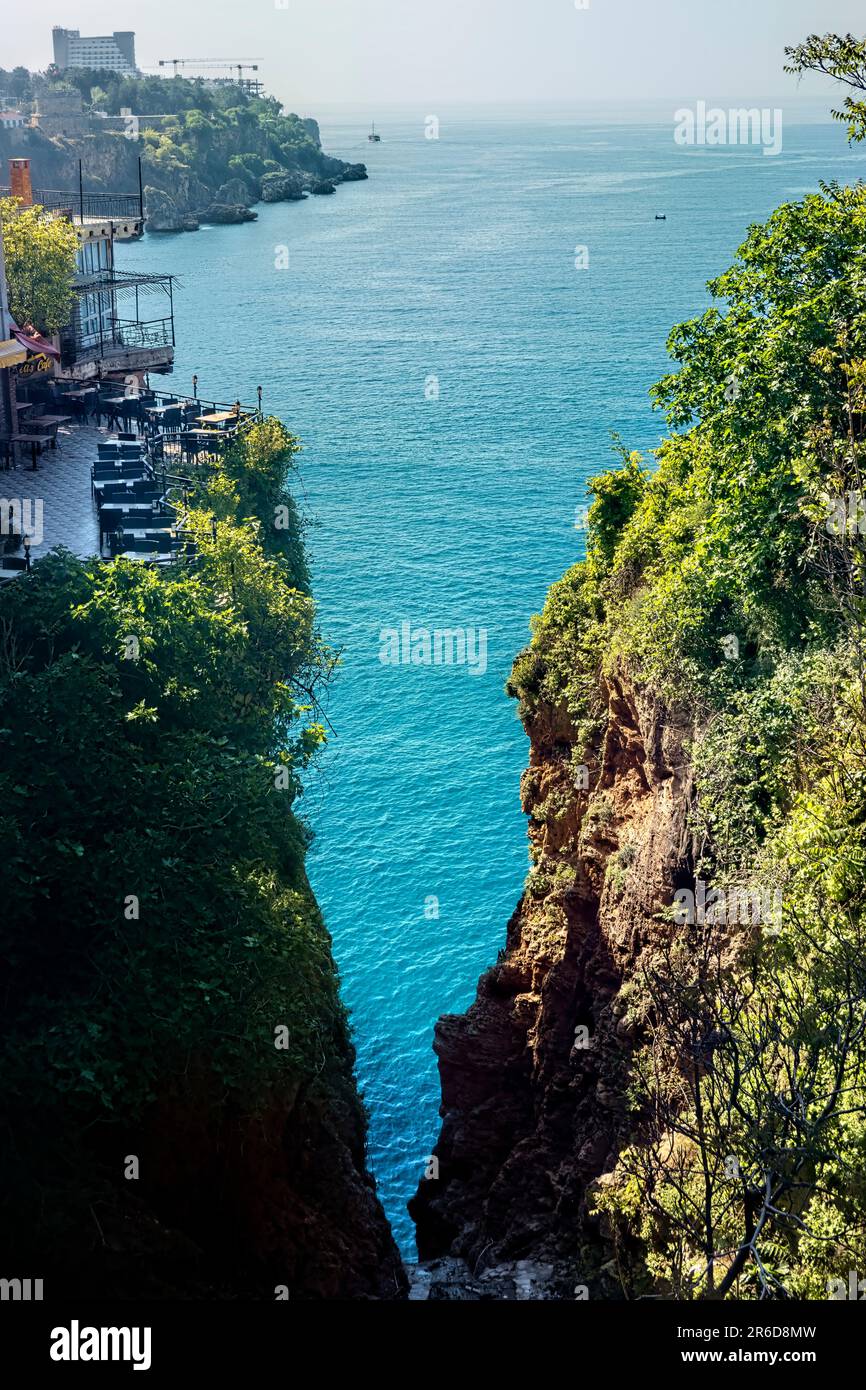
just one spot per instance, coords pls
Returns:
(112, 52)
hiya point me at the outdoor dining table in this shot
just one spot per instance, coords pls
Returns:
(32, 439)
(128, 484)
(151, 532)
(123, 473)
(125, 504)
(218, 418)
(113, 516)
(100, 484)
(49, 421)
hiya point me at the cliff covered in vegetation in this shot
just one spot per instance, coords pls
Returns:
(659, 1089)
(208, 151)
(180, 1117)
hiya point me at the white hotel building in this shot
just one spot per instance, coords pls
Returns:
(114, 52)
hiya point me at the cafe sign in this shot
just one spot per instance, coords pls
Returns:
(35, 365)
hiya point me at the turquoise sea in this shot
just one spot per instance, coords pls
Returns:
(451, 503)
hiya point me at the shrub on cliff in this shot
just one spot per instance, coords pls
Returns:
(725, 538)
(158, 925)
(209, 132)
(729, 583)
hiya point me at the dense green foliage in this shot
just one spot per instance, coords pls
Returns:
(843, 57)
(14, 83)
(40, 262)
(729, 582)
(212, 131)
(158, 925)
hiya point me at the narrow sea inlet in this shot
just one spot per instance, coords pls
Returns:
(454, 341)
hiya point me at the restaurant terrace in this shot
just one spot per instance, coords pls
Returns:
(105, 473)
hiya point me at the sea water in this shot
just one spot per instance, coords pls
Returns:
(454, 340)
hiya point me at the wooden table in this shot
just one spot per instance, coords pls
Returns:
(50, 422)
(218, 418)
(31, 439)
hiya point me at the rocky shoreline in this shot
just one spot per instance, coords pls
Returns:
(232, 202)
(209, 188)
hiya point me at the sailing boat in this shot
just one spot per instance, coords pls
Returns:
(373, 136)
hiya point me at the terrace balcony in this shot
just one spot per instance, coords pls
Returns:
(111, 474)
(122, 321)
(120, 214)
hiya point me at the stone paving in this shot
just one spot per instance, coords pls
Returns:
(61, 483)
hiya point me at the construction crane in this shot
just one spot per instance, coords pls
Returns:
(250, 85)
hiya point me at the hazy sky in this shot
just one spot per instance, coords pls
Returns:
(446, 51)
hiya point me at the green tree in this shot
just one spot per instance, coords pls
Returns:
(40, 263)
(843, 57)
(743, 1173)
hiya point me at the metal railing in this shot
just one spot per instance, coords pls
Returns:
(101, 207)
(107, 278)
(135, 333)
(109, 314)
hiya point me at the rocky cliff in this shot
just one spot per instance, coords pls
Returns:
(184, 184)
(651, 1094)
(534, 1074)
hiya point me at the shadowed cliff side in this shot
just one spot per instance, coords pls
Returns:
(534, 1074)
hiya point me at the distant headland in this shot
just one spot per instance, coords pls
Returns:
(209, 150)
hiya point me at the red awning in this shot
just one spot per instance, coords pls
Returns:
(34, 342)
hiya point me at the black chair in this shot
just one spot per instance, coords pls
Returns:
(102, 482)
(112, 492)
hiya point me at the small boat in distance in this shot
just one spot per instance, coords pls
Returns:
(661, 217)
(373, 135)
